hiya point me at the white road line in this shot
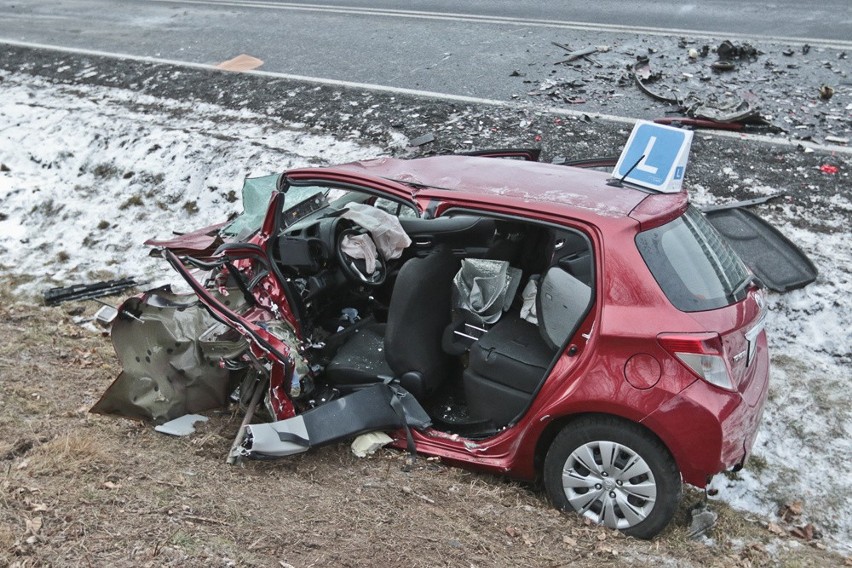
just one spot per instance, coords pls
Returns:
(474, 18)
(828, 148)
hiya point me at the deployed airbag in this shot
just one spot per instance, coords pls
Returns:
(485, 288)
(387, 232)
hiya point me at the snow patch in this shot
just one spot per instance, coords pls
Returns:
(94, 172)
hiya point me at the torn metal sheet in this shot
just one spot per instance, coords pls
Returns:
(201, 242)
(183, 426)
(378, 407)
(167, 372)
(780, 264)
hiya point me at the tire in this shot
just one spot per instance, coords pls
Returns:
(638, 490)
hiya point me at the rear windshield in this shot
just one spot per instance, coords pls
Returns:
(694, 265)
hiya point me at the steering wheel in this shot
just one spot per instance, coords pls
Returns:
(355, 269)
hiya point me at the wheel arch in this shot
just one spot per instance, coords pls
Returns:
(545, 439)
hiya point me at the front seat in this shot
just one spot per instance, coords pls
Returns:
(408, 347)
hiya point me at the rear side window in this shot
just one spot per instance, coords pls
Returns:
(695, 267)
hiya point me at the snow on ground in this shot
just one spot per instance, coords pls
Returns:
(804, 446)
(95, 171)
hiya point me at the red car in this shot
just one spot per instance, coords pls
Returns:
(516, 317)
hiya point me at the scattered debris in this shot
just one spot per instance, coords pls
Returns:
(241, 62)
(367, 444)
(744, 203)
(837, 140)
(183, 426)
(56, 296)
(573, 55)
(682, 78)
(826, 92)
(702, 519)
(4, 168)
(790, 511)
(422, 140)
(723, 65)
(739, 110)
(642, 74)
(728, 50)
(806, 532)
(829, 169)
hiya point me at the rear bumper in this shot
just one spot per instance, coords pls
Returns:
(709, 430)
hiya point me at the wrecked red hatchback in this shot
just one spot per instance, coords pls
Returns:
(511, 316)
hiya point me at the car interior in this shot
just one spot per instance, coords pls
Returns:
(416, 318)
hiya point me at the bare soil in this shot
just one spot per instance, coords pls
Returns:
(81, 489)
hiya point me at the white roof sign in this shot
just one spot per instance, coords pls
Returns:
(655, 157)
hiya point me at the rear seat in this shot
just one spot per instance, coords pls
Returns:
(506, 366)
(510, 360)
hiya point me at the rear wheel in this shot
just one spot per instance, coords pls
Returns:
(614, 473)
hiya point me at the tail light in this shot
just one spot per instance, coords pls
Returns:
(702, 354)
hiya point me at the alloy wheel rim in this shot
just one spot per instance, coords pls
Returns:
(609, 484)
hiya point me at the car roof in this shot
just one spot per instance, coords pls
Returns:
(563, 187)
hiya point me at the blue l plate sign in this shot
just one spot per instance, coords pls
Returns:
(657, 155)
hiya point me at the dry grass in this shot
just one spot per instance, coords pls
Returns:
(78, 489)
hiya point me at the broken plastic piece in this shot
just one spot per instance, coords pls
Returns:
(183, 426)
(366, 410)
(56, 296)
(105, 316)
(241, 62)
(367, 444)
(577, 54)
(642, 74)
(421, 140)
(744, 203)
(702, 520)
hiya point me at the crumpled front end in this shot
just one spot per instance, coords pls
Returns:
(170, 349)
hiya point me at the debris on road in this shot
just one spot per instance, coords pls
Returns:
(574, 54)
(422, 140)
(241, 62)
(669, 72)
(826, 92)
(727, 50)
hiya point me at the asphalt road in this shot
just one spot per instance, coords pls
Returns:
(440, 46)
